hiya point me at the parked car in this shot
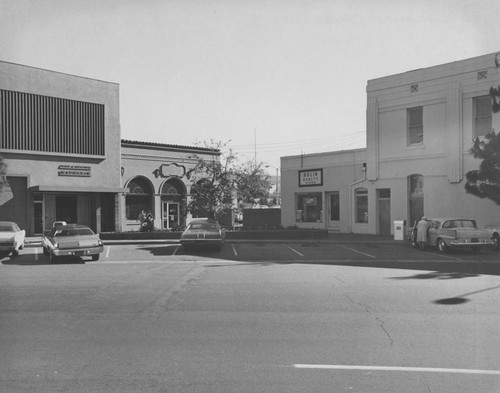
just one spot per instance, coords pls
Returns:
(11, 238)
(446, 233)
(203, 232)
(72, 239)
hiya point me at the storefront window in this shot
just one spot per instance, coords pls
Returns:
(139, 199)
(362, 205)
(310, 207)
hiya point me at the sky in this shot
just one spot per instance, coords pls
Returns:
(266, 78)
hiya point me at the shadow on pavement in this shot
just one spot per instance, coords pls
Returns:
(31, 260)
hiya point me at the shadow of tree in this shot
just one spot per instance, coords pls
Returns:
(460, 299)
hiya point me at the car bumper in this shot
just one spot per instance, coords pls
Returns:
(81, 252)
(470, 243)
(201, 242)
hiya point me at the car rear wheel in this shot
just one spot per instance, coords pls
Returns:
(95, 257)
(441, 245)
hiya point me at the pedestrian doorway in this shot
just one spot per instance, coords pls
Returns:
(66, 208)
(171, 215)
(333, 211)
(415, 198)
(384, 211)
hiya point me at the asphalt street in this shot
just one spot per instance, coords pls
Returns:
(255, 317)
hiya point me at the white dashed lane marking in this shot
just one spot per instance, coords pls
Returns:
(358, 252)
(295, 251)
(404, 369)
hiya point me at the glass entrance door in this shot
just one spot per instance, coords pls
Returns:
(171, 216)
(333, 206)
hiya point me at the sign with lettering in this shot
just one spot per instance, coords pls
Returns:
(74, 170)
(311, 177)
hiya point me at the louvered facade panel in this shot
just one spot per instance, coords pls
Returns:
(40, 123)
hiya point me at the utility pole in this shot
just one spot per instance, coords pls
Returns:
(255, 148)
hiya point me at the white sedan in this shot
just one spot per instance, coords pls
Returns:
(11, 238)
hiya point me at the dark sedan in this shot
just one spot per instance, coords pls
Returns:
(203, 232)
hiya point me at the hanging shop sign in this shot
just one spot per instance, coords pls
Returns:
(311, 177)
(74, 170)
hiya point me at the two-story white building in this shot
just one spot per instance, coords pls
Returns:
(420, 127)
(60, 138)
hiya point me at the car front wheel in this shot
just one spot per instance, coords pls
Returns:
(442, 245)
(95, 257)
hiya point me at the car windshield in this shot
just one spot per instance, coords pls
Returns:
(73, 232)
(203, 225)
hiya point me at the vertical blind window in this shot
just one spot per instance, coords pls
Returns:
(415, 126)
(48, 124)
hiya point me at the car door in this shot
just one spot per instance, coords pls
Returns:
(432, 232)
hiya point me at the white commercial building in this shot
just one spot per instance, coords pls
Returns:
(420, 127)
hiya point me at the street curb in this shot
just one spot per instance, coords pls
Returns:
(36, 242)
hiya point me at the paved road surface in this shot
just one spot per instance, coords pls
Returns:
(145, 320)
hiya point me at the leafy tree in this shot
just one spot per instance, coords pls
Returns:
(213, 182)
(485, 182)
(252, 183)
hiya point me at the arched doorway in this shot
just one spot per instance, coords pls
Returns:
(173, 204)
(415, 198)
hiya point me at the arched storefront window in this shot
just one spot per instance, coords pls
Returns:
(140, 197)
(415, 197)
(173, 201)
(361, 205)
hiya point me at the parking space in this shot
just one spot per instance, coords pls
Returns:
(279, 252)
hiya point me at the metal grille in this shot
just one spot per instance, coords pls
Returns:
(33, 122)
(482, 75)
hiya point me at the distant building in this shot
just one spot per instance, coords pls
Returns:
(420, 127)
(157, 177)
(60, 138)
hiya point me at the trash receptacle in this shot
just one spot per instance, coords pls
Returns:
(399, 229)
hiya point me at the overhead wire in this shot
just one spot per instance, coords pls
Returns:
(336, 142)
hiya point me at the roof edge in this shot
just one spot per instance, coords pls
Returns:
(163, 146)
